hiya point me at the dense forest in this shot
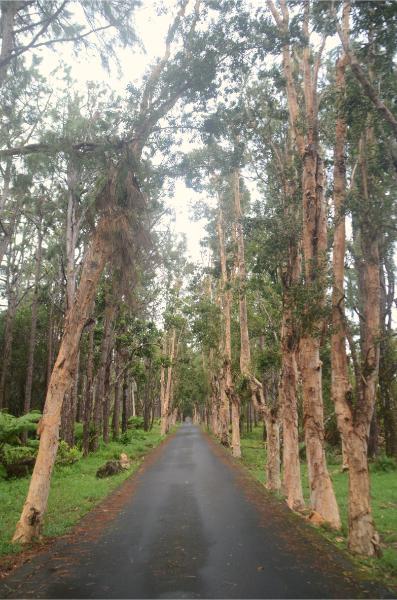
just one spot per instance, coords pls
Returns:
(280, 118)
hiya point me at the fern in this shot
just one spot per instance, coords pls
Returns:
(11, 427)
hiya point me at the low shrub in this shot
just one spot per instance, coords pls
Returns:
(18, 461)
(67, 455)
(135, 423)
(384, 464)
(12, 454)
(126, 438)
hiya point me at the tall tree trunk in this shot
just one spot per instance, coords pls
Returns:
(241, 278)
(165, 415)
(89, 389)
(31, 520)
(314, 244)
(227, 389)
(71, 234)
(125, 413)
(289, 339)
(387, 368)
(314, 241)
(67, 415)
(106, 404)
(363, 537)
(273, 463)
(109, 317)
(354, 427)
(50, 344)
(7, 343)
(117, 399)
(7, 229)
(292, 484)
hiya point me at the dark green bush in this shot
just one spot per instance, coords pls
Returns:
(125, 438)
(67, 455)
(135, 423)
(384, 464)
(13, 454)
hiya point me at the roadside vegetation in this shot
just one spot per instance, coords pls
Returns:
(75, 488)
(383, 472)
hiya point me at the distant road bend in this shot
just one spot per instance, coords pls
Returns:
(191, 524)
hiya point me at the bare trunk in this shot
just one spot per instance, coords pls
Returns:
(106, 404)
(363, 537)
(241, 277)
(72, 231)
(162, 390)
(222, 408)
(272, 422)
(314, 244)
(50, 344)
(33, 328)
(125, 414)
(227, 390)
(7, 345)
(292, 484)
(322, 497)
(89, 390)
(314, 241)
(117, 400)
(31, 520)
(165, 415)
(106, 345)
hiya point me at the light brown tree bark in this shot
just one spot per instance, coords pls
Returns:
(31, 520)
(227, 385)
(289, 342)
(353, 423)
(314, 244)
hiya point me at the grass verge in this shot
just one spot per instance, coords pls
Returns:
(384, 507)
(74, 489)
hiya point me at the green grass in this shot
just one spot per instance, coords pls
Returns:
(384, 505)
(74, 489)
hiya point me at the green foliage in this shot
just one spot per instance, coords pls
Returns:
(135, 422)
(12, 454)
(12, 427)
(67, 455)
(125, 438)
(384, 464)
(384, 506)
(74, 490)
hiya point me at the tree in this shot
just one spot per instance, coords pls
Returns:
(314, 246)
(121, 203)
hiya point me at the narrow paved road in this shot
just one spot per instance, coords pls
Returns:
(193, 525)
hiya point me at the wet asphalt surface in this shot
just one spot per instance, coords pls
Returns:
(194, 526)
